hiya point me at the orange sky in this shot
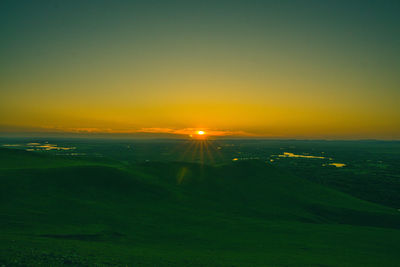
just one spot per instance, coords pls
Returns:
(283, 71)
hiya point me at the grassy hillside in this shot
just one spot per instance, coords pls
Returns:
(21, 159)
(64, 211)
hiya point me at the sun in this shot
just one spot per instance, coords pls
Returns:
(199, 135)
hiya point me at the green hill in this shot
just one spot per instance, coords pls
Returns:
(64, 211)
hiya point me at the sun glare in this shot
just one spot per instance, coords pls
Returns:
(201, 132)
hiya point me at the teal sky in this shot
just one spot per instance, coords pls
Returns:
(313, 69)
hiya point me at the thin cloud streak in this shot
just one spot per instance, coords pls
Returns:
(146, 130)
(189, 131)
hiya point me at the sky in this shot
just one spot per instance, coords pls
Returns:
(273, 69)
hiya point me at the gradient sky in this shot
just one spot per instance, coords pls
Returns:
(295, 69)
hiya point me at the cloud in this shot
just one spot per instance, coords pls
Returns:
(151, 131)
(190, 131)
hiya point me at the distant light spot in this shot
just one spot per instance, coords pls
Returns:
(338, 165)
(292, 155)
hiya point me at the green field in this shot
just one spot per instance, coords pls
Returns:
(88, 211)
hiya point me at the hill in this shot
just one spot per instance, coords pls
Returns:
(83, 212)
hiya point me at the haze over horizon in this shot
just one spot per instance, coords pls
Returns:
(279, 69)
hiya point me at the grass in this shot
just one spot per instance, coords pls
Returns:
(58, 211)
